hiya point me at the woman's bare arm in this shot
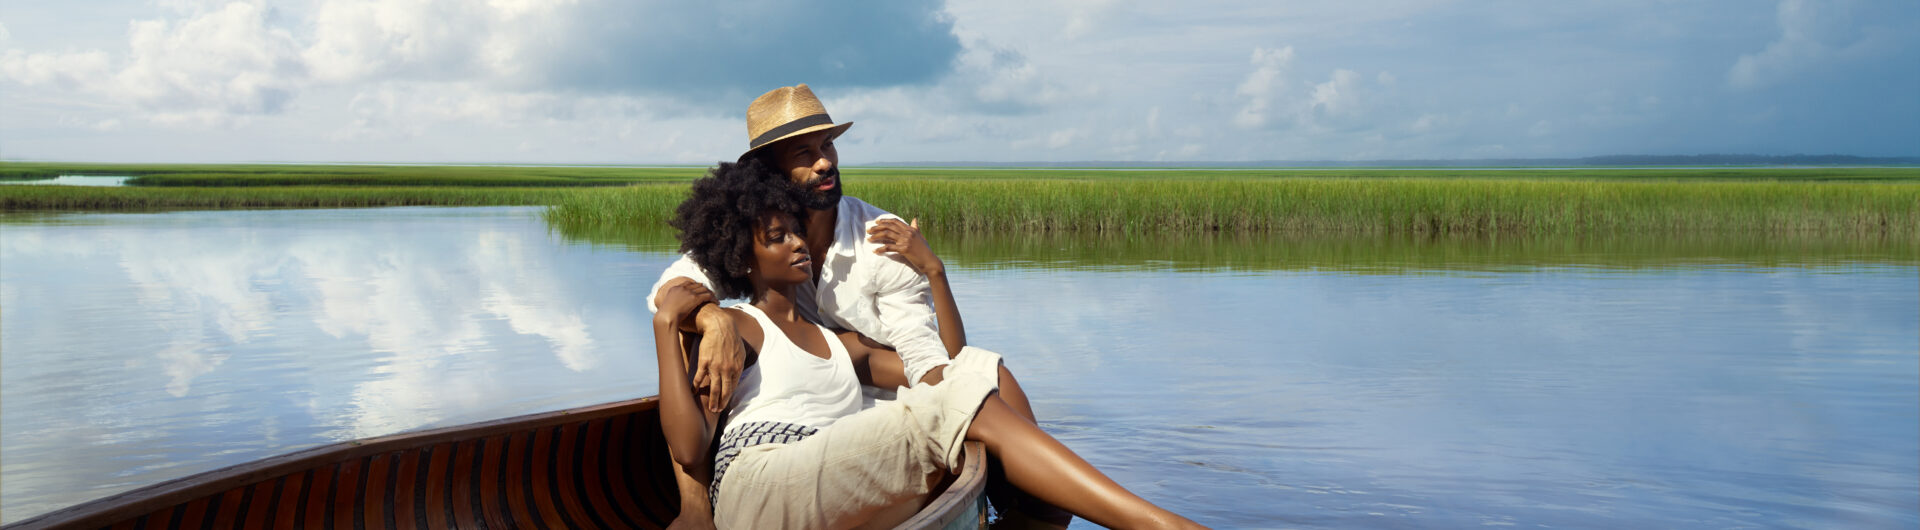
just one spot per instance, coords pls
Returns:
(687, 427)
(952, 332)
(696, 506)
(880, 366)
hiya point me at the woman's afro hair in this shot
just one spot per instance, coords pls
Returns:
(718, 220)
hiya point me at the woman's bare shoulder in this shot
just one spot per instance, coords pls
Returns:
(747, 327)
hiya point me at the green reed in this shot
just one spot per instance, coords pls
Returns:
(18, 197)
(1034, 200)
(225, 175)
(1390, 253)
(1342, 205)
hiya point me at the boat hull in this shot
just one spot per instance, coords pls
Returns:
(604, 466)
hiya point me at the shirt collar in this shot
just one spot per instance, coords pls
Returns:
(848, 227)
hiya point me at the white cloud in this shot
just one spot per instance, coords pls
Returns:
(1341, 102)
(61, 71)
(652, 81)
(226, 60)
(1809, 31)
(1264, 86)
(216, 64)
(1062, 138)
(1001, 80)
(511, 9)
(425, 39)
(1084, 16)
(1340, 95)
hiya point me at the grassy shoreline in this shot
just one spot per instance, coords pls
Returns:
(70, 198)
(1333, 200)
(271, 175)
(1344, 206)
(1362, 253)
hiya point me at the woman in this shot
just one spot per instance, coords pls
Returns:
(797, 449)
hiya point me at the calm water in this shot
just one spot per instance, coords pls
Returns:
(73, 180)
(1375, 383)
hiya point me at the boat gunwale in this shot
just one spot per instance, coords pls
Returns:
(968, 485)
(131, 503)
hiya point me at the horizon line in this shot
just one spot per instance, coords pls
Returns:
(1599, 160)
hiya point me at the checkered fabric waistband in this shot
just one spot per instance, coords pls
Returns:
(748, 435)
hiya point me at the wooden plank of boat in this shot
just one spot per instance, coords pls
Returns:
(602, 466)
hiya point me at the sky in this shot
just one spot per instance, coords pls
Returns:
(661, 82)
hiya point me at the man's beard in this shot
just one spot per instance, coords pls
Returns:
(817, 199)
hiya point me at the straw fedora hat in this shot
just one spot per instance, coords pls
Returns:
(784, 113)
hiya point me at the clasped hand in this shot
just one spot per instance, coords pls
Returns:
(721, 356)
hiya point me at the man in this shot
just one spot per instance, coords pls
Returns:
(873, 272)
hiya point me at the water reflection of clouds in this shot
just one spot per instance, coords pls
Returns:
(142, 347)
(436, 308)
(201, 292)
(518, 294)
(430, 305)
(1543, 396)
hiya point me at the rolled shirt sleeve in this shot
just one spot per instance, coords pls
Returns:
(681, 268)
(904, 301)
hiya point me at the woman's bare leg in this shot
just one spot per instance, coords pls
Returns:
(1015, 397)
(1012, 503)
(1017, 508)
(1048, 470)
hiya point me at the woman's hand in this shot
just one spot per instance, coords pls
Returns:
(679, 298)
(905, 239)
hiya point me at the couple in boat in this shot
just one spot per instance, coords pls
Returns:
(841, 296)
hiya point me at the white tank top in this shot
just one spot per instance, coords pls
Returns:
(787, 384)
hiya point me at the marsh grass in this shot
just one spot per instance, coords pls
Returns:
(110, 198)
(1631, 174)
(230, 175)
(217, 186)
(1082, 201)
(1342, 205)
(1387, 253)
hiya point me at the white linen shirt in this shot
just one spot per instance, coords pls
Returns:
(879, 296)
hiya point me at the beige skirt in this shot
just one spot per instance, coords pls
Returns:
(861, 464)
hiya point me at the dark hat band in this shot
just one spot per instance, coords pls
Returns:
(788, 128)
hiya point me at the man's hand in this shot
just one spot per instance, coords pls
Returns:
(905, 239)
(679, 298)
(722, 357)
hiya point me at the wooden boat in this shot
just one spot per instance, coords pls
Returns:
(603, 466)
